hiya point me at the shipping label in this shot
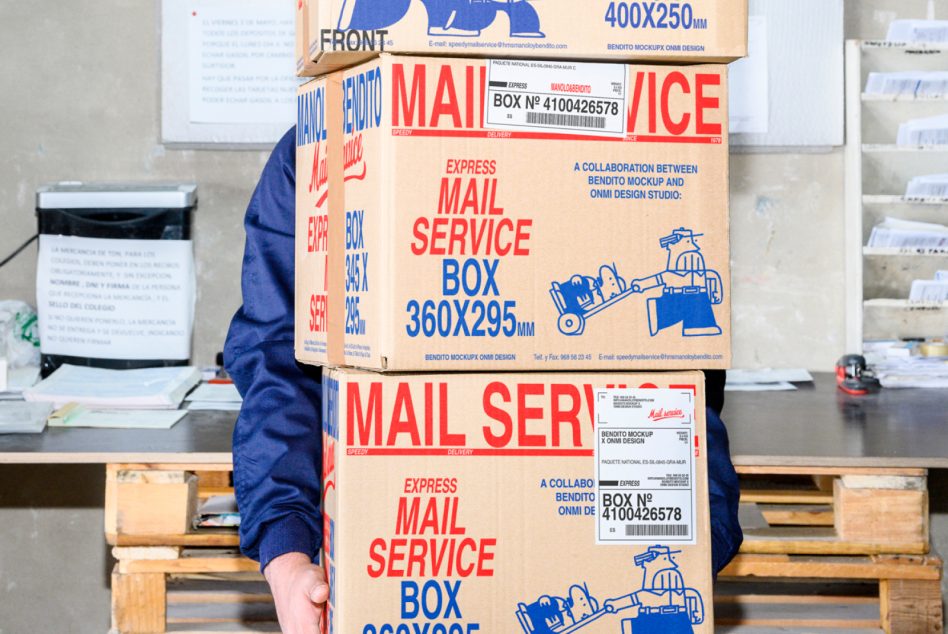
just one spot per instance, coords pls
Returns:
(645, 466)
(556, 97)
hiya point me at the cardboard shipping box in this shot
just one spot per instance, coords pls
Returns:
(464, 214)
(490, 503)
(333, 34)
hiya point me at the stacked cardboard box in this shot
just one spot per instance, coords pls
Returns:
(334, 34)
(508, 215)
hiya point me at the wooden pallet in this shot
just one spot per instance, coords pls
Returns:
(838, 525)
(797, 606)
(834, 511)
(160, 582)
(908, 588)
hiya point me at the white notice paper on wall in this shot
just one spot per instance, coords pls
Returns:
(239, 70)
(748, 83)
(115, 299)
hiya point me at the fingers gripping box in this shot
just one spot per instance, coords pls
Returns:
(494, 503)
(332, 34)
(472, 214)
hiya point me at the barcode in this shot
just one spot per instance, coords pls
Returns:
(656, 530)
(566, 120)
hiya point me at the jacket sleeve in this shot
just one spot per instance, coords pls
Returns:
(277, 440)
(723, 488)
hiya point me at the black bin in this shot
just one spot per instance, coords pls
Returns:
(119, 212)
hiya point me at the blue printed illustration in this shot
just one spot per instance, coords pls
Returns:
(661, 605)
(689, 292)
(446, 18)
(560, 615)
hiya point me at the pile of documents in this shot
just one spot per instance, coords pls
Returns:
(916, 83)
(95, 397)
(934, 290)
(928, 186)
(898, 233)
(902, 364)
(924, 131)
(918, 31)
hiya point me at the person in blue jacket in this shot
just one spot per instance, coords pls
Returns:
(278, 442)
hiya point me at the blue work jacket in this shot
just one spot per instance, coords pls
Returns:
(277, 440)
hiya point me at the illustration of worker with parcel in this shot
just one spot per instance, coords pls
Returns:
(689, 292)
(457, 18)
(663, 604)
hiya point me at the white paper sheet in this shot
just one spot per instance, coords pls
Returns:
(119, 419)
(213, 406)
(768, 375)
(115, 299)
(895, 232)
(23, 418)
(241, 62)
(759, 387)
(151, 388)
(924, 131)
(748, 83)
(929, 185)
(215, 393)
(918, 31)
(929, 291)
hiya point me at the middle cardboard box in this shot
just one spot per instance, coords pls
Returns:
(502, 214)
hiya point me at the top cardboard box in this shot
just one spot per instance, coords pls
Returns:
(335, 34)
(470, 214)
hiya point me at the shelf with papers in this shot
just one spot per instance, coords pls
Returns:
(905, 251)
(899, 318)
(887, 199)
(903, 47)
(892, 147)
(878, 173)
(902, 98)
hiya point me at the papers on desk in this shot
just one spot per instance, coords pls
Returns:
(916, 371)
(766, 379)
(215, 396)
(18, 417)
(924, 131)
(150, 388)
(918, 31)
(895, 232)
(914, 83)
(902, 364)
(75, 415)
(18, 379)
(928, 186)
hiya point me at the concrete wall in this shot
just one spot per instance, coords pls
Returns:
(83, 103)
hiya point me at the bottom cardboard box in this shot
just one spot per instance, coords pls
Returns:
(507, 503)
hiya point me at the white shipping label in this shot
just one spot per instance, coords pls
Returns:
(556, 97)
(115, 299)
(645, 469)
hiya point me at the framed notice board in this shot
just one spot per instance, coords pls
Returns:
(227, 72)
(788, 93)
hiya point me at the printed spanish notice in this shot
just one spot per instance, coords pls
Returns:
(115, 299)
(239, 70)
(333, 34)
(645, 466)
(465, 503)
(459, 214)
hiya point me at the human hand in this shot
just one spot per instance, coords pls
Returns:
(300, 592)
